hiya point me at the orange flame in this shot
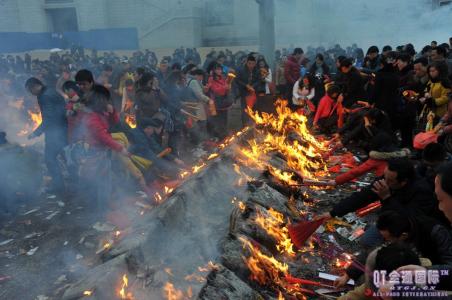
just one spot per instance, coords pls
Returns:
(172, 293)
(123, 291)
(36, 118)
(87, 293)
(131, 121)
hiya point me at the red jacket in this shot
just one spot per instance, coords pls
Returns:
(74, 122)
(219, 86)
(292, 70)
(378, 166)
(325, 109)
(96, 127)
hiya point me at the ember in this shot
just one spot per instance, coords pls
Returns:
(171, 293)
(123, 293)
(87, 293)
(131, 121)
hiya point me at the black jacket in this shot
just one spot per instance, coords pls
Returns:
(353, 88)
(386, 94)
(415, 198)
(244, 77)
(53, 111)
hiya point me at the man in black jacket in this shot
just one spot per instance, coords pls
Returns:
(353, 84)
(248, 80)
(53, 126)
(400, 190)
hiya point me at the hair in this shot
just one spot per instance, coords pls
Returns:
(98, 99)
(404, 169)
(340, 58)
(250, 58)
(107, 68)
(265, 62)
(387, 48)
(297, 51)
(373, 49)
(445, 175)
(441, 50)
(346, 62)
(309, 78)
(333, 89)
(33, 81)
(393, 222)
(144, 80)
(405, 57)
(188, 68)
(71, 85)
(176, 66)
(443, 73)
(409, 49)
(421, 60)
(84, 75)
(140, 70)
(320, 56)
(434, 42)
(197, 72)
(174, 77)
(434, 152)
(426, 49)
(394, 256)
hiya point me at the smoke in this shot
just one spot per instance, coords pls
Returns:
(366, 23)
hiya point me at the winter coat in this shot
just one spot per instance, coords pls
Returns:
(386, 94)
(325, 109)
(246, 77)
(53, 112)
(353, 88)
(96, 130)
(439, 95)
(292, 70)
(147, 104)
(414, 198)
(197, 95)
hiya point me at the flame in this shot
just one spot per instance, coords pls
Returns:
(36, 118)
(123, 291)
(268, 271)
(87, 293)
(280, 296)
(158, 198)
(131, 121)
(287, 134)
(172, 293)
(184, 174)
(240, 204)
(107, 245)
(197, 168)
(117, 233)
(169, 271)
(212, 156)
(273, 223)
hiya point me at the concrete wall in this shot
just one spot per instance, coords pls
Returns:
(9, 15)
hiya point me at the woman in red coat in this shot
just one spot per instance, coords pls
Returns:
(95, 168)
(218, 89)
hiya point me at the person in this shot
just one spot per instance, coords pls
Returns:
(326, 116)
(443, 191)
(400, 189)
(247, 80)
(163, 71)
(148, 100)
(303, 93)
(420, 75)
(145, 142)
(385, 51)
(386, 91)
(85, 81)
(292, 69)
(104, 78)
(65, 76)
(219, 88)
(353, 84)
(74, 110)
(439, 54)
(53, 126)
(201, 101)
(266, 88)
(372, 60)
(320, 72)
(444, 127)
(95, 163)
(439, 87)
(426, 235)
(280, 79)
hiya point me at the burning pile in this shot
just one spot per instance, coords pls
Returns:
(257, 257)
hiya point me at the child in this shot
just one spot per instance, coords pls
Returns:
(303, 93)
(326, 116)
(74, 110)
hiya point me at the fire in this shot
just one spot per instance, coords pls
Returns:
(168, 190)
(107, 245)
(287, 134)
(240, 204)
(158, 198)
(123, 291)
(212, 156)
(197, 168)
(280, 296)
(87, 293)
(268, 271)
(171, 293)
(209, 267)
(117, 233)
(36, 118)
(131, 121)
(273, 223)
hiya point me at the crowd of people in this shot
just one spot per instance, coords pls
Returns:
(140, 116)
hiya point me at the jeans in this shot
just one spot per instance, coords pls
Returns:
(55, 141)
